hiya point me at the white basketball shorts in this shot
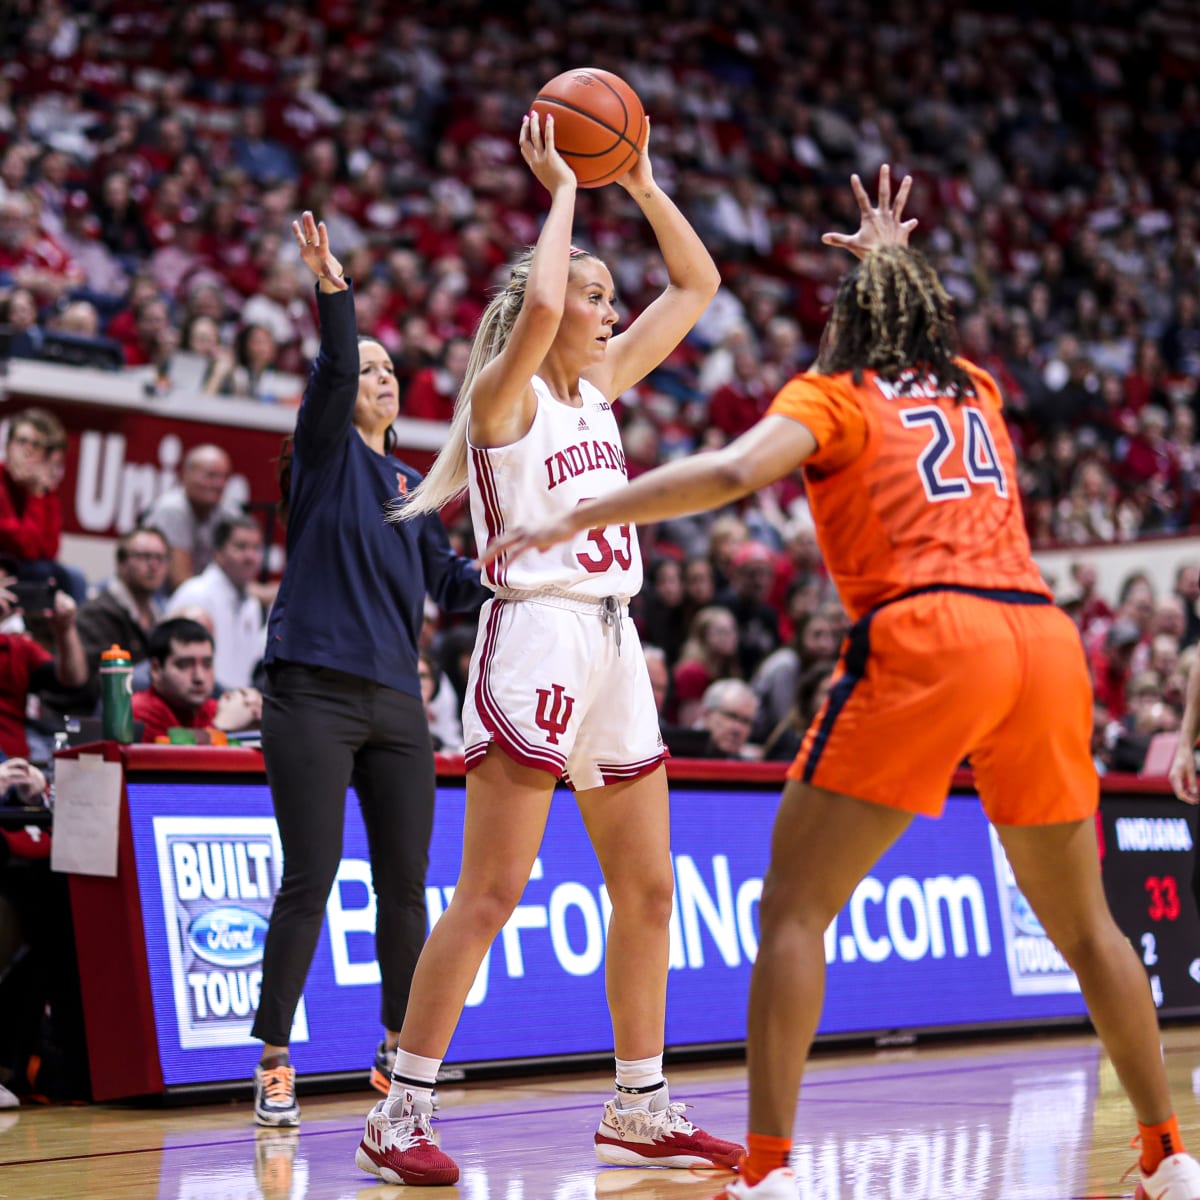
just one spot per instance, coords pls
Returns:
(550, 687)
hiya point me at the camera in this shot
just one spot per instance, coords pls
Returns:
(33, 598)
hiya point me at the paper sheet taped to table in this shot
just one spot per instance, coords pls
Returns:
(87, 815)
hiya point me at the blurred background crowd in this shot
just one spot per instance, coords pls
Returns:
(153, 156)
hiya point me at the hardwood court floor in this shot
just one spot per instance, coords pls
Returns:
(1014, 1119)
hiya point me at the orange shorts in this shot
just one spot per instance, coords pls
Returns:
(926, 681)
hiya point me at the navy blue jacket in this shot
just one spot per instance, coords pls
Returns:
(353, 591)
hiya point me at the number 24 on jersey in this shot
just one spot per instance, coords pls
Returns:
(979, 455)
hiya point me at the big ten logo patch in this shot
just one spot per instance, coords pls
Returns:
(219, 876)
(553, 713)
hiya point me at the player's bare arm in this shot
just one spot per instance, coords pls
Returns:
(693, 280)
(502, 399)
(1183, 767)
(772, 449)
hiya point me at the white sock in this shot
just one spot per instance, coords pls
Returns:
(640, 1082)
(415, 1074)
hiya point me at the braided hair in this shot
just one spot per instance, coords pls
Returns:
(892, 316)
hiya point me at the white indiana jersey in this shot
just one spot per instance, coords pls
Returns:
(568, 455)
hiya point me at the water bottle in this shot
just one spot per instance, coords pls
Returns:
(116, 695)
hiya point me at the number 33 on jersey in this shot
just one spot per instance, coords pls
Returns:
(911, 486)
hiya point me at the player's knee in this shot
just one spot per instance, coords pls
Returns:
(646, 900)
(789, 901)
(487, 907)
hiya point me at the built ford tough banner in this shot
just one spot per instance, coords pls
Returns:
(937, 936)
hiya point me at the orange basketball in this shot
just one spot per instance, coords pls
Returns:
(599, 124)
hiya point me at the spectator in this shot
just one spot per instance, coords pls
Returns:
(182, 684)
(190, 512)
(202, 339)
(710, 653)
(777, 678)
(661, 620)
(31, 256)
(1187, 588)
(30, 513)
(433, 390)
(813, 686)
(727, 711)
(21, 784)
(122, 612)
(441, 706)
(19, 311)
(1112, 666)
(660, 675)
(104, 278)
(122, 229)
(254, 356)
(752, 576)
(223, 590)
(25, 667)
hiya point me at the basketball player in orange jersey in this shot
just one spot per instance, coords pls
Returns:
(956, 649)
(534, 433)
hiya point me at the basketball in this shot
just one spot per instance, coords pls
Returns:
(599, 123)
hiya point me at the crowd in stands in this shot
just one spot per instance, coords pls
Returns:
(152, 158)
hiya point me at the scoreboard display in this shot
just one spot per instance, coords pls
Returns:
(1147, 848)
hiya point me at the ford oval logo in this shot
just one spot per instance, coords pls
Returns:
(1024, 918)
(228, 937)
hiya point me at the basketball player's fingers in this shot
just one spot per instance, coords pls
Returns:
(298, 233)
(885, 187)
(548, 133)
(836, 239)
(1183, 781)
(902, 197)
(860, 194)
(910, 225)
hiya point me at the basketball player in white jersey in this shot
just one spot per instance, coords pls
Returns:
(558, 685)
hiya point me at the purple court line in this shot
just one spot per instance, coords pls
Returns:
(1007, 1064)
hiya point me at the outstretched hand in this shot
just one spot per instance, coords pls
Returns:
(534, 537)
(880, 226)
(313, 240)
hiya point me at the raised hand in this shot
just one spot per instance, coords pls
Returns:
(881, 225)
(641, 174)
(313, 240)
(538, 150)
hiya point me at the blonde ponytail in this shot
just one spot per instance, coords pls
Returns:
(447, 478)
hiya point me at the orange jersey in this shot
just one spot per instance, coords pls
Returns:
(911, 490)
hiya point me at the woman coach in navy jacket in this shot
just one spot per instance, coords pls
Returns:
(344, 699)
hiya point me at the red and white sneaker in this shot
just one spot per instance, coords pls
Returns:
(398, 1145)
(780, 1184)
(1175, 1178)
(637, 1137)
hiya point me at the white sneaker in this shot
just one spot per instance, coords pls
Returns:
(7, 1099)
(397, 1145)
(780, 1184)
(638, 1137)
(275, 1096)
(1176, 1178)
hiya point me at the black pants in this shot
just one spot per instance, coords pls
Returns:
(322, 730)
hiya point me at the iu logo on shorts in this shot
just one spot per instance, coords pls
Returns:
(554, 708)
